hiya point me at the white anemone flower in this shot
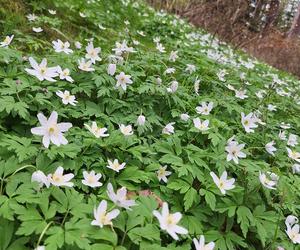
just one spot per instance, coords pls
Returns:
(270, 148)
(66, 97)
(52, 12)
(197, 86)
(82, 14)
(160, 48)
(162, 173)
(294, 233)
(202, 126)
(282, 135)
(59, 179)
(296, 169)
(268, 180)
(91, 179)
(291, 220)
(41, 178)
(168, 129)
(97, 131)
(102, 217)
(40, 248)
(122, 48)
(272, 107)
(115, 165)
(293, 155)
(51, 130)
(223, 183)
(60, 46)
(101, 27)
(41, 71)
(200, 244)
(7, 41)
(190, 68)
(249, 122)
(205, 108)
(78, 45)
(292, 140)
(168, 221)
(241, 94)
(85, 65)
(126, 130)
(31, 17)
(173, 56)
(92, 53)
(234, 152)
(173, 87)
(284, 125)
(37, 29)
(123, 80)
(120, 197)
(185, 117)
(64, 74)
(170, 70)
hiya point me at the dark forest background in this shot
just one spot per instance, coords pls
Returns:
(267, 29)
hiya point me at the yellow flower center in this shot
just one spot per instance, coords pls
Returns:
(126, 130)
(161, 172)
(57, 178)
(116, 166)
(103, 218)
(293, 236)
(6, 40)
(53, 129)
(170, 219)
(91, 179)
(43, 70)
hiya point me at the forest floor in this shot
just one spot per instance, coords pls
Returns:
(225, 19)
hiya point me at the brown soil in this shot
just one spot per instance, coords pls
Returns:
(228, 19)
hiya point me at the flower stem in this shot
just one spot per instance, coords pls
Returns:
(43, 232)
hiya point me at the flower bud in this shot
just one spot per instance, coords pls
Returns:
(141, 120)
(111, 69)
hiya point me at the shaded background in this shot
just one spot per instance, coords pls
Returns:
(267, 29)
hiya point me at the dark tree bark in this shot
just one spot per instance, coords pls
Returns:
(272, 14)
(295, 28)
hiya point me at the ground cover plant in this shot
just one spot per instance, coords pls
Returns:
(127, 128)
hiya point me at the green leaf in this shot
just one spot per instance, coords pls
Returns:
(244, 218)
(149, 232)
(171, 159)
(55, 239)
(132, 174)
(179, 184)
(102, 247)
(189, 198)
(19, 145)
(210, 199)
(6, 233)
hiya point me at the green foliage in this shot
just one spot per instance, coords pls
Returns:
(248, 217)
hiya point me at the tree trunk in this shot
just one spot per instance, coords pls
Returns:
(295, 28)
(272, 14)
